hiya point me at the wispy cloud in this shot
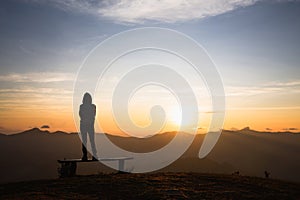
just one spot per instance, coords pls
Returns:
(42, 77)
(265, 108)
(141, 11)
(36, 91)
(267, 88)
(39, 90)
(36, 99)
(85, 6)
(283, 84)
(290, 129)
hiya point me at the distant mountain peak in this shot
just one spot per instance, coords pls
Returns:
(34, 130)
(2, 134)
(246, 129)
(60, 132)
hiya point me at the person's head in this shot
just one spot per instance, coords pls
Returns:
(87, 98)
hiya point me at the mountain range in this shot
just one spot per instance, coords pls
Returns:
(33, 154)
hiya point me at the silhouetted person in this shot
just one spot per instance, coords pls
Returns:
(87, 114)
(267, 174)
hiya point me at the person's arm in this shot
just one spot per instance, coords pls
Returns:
(80, 112)
(94, 110)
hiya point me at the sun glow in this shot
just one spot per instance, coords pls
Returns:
(175, 116)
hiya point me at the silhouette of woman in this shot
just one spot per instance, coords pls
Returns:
(87, 114)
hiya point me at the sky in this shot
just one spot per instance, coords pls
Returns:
(254, 44)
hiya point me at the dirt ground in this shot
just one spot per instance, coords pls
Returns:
(153, 186)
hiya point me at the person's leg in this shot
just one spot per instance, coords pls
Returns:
(92, 140)
(83, 132)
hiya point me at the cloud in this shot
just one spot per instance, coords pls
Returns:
(33, 96)
(283, 84)
(292, 86)
(36, 91)
(248, 90)
(45, 127)
(290, 129)
(265, 108)
(90, 7)
(141, 11)
(168, 11)
(28, 97)
(42, 77)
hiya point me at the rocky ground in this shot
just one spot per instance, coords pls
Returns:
(153, 186)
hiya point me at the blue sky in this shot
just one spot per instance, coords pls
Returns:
(43, 36)
(255, 44)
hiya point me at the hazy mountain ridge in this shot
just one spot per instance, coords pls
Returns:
(32, 154)
(249, 130)
(243, 130)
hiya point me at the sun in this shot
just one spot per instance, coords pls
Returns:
(175, 116)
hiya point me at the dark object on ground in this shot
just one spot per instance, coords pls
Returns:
(68, 166)
(236, 173)
(267, 174)
(67, 169)
(153, 186)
